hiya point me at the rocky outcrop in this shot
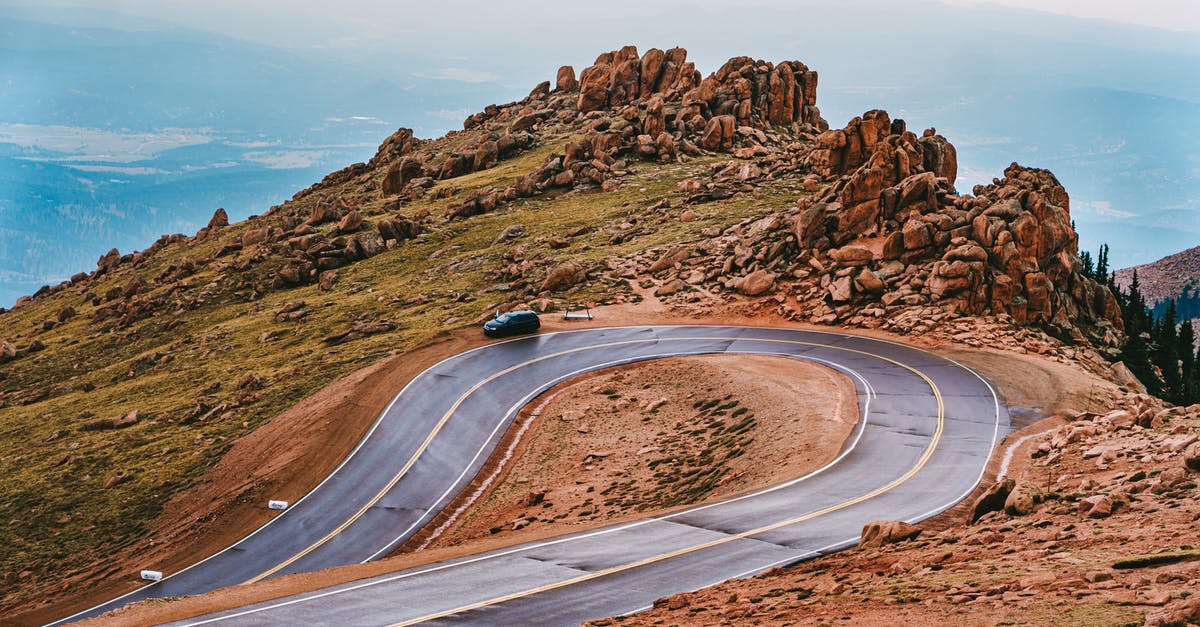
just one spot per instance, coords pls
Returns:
(219, 219)
(890, 233)
(752, 92)
(397, 145)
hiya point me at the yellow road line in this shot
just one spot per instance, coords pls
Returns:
(924, 459)
(461, 399)
(413, 460)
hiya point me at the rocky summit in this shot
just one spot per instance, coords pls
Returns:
(636, 178)
(883, 232)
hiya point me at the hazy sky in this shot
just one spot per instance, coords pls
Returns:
(375, 23)
(1180, 15)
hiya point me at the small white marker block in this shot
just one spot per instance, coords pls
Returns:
(152, 575)
(277, 504)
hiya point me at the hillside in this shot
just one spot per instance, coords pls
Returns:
(1174, 277)
(122, 388)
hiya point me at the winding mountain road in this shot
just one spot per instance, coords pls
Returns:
(927, 428)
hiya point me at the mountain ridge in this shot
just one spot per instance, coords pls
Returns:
(1168, 278)
(638, 178)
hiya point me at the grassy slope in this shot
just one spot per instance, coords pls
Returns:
(58, 520)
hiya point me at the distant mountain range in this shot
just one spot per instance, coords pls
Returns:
(1175, 277)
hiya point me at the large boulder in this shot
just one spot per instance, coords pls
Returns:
(756, 283)
(593, 87)
(565, 80)
(1097, 506)
(1022, 501)
(940, 157)
(718, 133)
(1191, 457)
(351, 222)
(399, 174)
(8, 352)
(852, 256)
(219, 219)
(564, 277)
(810, 224)
(880, 532)
(651, 70)
(992, 499)
(674, 255)
(321, 213)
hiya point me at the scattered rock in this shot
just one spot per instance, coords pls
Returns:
(510, 232)
(881, 532)
(564, 276)
(116, 478)
(1191, 457)
(1098, 506)
(358, 331)
(756, 283)
(128, 420)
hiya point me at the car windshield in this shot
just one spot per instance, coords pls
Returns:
(503, 318)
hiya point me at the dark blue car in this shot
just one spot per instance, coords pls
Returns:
(512, 323)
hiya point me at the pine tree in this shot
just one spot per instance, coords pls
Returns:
(1136, 351)
(1102, 262)
(1187, 360)
(1089, 269)
(1166, 355)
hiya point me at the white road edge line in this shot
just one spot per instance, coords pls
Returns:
(357, 447)
(528, 398)
(870, 394)
(379, 420)
(395, 398)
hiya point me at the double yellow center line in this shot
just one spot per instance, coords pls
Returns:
(924, 459)
(421, 449)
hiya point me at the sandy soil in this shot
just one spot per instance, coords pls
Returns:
(631, 441)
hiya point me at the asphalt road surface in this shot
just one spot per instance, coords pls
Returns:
(927, 428)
